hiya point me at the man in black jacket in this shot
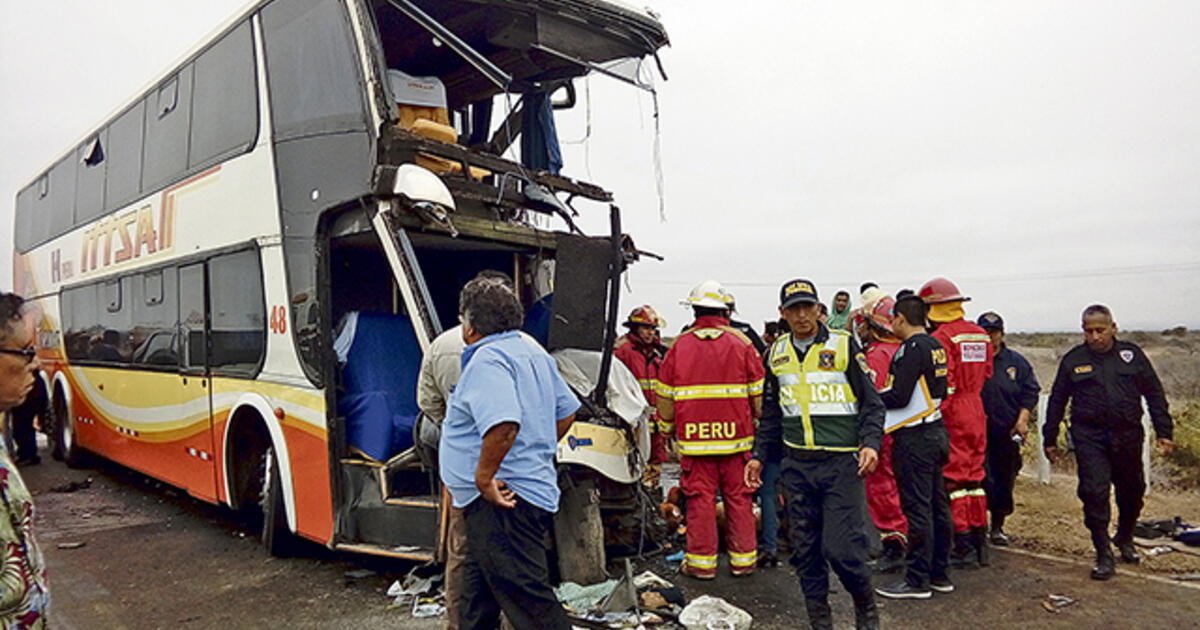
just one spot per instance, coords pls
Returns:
(1105, 380)
(920, 450)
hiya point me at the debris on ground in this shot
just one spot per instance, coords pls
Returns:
(358, 574)
(1158, 551)
(1055, 603)
(422, 589)
(72, 486)
(428, 607)
(581, 599)
(71, 544)
(711, 613)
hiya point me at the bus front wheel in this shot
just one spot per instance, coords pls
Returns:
(276, 536)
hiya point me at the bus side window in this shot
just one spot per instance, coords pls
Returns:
(239, 315)
(154, 315)
(168, 118)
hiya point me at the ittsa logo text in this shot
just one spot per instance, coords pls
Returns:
(136, 233)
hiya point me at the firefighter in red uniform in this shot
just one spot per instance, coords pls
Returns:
(969, 359)
(642, 352)
(883, 497)
(709, 395)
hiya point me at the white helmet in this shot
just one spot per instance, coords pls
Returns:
(709, 294)
(420, 185)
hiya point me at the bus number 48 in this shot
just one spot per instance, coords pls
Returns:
(278, 320)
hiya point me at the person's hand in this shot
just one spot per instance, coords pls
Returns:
(752, 475)
(868, 459)
(1052, 454)
(1166, 445)
(496, 492)
(1022, 429)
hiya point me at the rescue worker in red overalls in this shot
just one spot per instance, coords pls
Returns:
(969, 359)
(874, 327)
(709, 395)
(642, 352)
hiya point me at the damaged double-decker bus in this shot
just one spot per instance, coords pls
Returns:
(239, 271)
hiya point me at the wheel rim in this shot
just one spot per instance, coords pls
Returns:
(68, 432)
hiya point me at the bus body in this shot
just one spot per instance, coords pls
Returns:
(196, 258)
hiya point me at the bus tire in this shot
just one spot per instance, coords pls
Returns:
(276, 536)
(66, 447)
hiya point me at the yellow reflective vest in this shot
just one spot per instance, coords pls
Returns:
(820, 410)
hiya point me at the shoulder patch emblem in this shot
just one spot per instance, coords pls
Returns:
(708, 334)
(1083, 369)
(825, 359)
(1012, 372)
(1127, 356)
(779, 360)
(862, 363)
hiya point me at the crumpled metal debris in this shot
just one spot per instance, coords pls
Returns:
(1055, 603)
(710, 613)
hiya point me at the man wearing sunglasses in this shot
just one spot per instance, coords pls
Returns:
(24, 598)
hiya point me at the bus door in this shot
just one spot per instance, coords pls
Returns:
(194, 391)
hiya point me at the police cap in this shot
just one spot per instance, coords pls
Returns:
(990, 320)
(797, 291)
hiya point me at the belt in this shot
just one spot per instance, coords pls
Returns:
(803, 453)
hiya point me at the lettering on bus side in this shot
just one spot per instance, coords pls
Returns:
(124, 237)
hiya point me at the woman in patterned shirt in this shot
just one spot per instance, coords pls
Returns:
(23, 592)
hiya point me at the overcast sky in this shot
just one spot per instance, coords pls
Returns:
(1044, 155)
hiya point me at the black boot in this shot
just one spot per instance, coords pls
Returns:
(866, 614)
(980, 538)
(1105, 565)
(963, 555)
(820, 616)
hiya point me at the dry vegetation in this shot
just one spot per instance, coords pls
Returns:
(1050, 518)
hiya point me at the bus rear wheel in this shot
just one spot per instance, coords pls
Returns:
(276, 536)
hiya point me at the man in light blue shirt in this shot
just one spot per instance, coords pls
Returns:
(499, 438)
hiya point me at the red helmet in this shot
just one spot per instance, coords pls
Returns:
(881, 315)
(644, 315)
(939, 291)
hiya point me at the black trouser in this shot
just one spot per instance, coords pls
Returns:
(918, 455)
(1109, 456)
(506, 568)
(825, 499)
(24, 436)
(1002, 464)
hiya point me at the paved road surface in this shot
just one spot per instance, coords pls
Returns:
(155, 558)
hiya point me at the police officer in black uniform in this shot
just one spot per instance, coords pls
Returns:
(822, 414)
(1009, 397)
(1105, 379)
(920, 450)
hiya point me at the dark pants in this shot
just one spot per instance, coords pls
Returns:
(1109, 456)
(1002, 465)
(506, 568)
(918, 456)
(24, 435)
(825, 500)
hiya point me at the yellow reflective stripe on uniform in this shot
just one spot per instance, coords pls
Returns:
(755, 388)
(664, 390)
(647, 383)
(836, 449)
(968, 492)
(666, 427)
(970, 337)
(743, 559)
(701, 392)
(716, 447)
(701, 562)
